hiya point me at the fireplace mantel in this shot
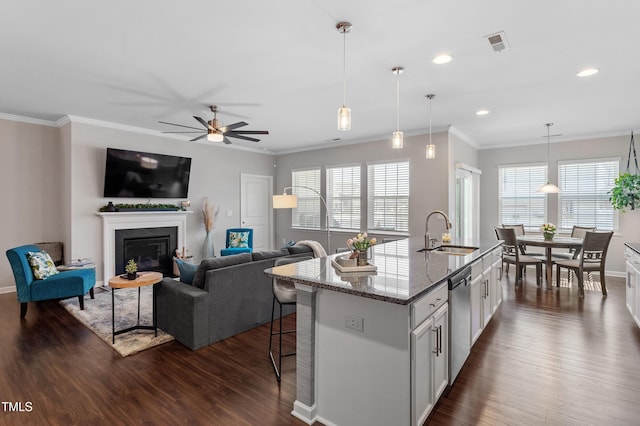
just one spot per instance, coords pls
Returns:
(112, 221)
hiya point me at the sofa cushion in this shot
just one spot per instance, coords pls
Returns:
(238, 239)
(268, 254)
(187, 270)
(215, 263)
(295, 249)
(41, 264)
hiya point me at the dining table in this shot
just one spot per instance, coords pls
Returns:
(557, 242)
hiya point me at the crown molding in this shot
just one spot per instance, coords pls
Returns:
(29, 120)
(454, 131)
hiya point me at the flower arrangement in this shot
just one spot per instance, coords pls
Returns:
(361, 242)
(132, 267)
(209, 214)
(548, 227)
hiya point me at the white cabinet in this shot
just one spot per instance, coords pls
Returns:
(486, 291)
(429, 357)
(476, 289)
(496, 282)
(633, 284)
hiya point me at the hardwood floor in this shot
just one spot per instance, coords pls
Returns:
(547, 357)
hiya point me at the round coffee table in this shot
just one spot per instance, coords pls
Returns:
(144, 279)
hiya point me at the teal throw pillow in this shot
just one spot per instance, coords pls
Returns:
(187, 270)
(41, 264)
(238, 239)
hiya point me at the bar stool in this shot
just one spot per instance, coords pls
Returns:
(284, 292)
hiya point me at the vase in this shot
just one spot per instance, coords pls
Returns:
(548, 236)
(207, 246)
(363, 258)
(132, 275)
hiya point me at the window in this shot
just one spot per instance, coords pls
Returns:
(518, 197)
(343, 197)
(307, 214)
(388, 197)
(583, 199)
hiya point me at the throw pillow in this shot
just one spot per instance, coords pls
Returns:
(187, 270)
(41, 264)
(238, 239)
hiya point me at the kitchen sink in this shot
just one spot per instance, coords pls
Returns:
(451, 250)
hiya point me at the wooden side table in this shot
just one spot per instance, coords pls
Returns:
(144, 279)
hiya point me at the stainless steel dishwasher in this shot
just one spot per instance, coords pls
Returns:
(459, 321)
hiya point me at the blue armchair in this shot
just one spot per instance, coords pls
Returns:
(71, 283)
(239, 240)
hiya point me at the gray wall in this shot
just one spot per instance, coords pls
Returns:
(429, 187)
(490, 159)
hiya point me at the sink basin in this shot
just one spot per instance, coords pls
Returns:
(451, 250)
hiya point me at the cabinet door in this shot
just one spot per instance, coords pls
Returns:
(421, 386)
(496, 290)
(476, 308)
(440, 351)
(631, 287)
(487, 308)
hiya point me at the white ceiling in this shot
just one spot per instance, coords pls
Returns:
(278, 66)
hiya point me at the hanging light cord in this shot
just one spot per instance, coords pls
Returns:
(430, 99)
(397, 100)
(548, 140)
(344, 68)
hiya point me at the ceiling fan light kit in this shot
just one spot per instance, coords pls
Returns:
(344, 113)
(397, 140)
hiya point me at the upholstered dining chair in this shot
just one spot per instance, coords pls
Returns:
(284, 293)
(511, 254)
(576, 232)
(592, 258)
(239, 240)
(61, 285)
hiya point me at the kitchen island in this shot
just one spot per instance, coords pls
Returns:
(372, 347)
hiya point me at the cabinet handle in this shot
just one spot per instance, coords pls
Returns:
(436, 303)
(435, 330)
(440, 339)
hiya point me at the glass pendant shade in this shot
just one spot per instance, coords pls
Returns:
(430, 152)
(344, 118)
(397, 140)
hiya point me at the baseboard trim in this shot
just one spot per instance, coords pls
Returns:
(304, 412)
(5, 290)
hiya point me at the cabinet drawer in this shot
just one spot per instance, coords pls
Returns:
(427, 305)
(477, 268)
(496, 254)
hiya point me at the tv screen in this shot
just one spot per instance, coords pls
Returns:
(134, 174)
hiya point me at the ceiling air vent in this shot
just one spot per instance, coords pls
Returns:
(498, 41)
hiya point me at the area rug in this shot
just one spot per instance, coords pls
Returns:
(97, 318)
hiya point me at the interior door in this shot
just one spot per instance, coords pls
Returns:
(255, 209)
(467, 211)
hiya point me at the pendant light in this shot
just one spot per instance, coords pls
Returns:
(397, 138)
(431, 148)
(344, 113)
(549, 188)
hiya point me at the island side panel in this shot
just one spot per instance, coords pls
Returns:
(362, 377)
(304, 406)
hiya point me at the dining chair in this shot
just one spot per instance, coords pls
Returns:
(519, 228)
(576, 232)
(511, 254)
(592, 258)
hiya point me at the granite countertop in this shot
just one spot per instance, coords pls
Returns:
(403, 274)
(633, 246)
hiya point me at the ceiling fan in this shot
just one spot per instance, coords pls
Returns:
(215, 133)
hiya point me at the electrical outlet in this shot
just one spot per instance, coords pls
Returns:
(353, 322)
(229, 213)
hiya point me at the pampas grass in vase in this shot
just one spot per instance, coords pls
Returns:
(209, 215)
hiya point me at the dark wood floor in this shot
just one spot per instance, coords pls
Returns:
(547, 357)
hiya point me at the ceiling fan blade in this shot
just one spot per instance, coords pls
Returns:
(227, 141)
(179, 125)
(198, 138)
(246, 138)
(230, 127)
(199, 131)
(251, 132)
(204, 123)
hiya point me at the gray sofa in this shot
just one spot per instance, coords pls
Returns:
(228, 295)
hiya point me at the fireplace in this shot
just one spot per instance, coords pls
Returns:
(151, 248)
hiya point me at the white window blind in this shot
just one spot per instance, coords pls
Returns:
(307, 214)
(583, 199)
(388, 197)
(343, 197)
(518, 197)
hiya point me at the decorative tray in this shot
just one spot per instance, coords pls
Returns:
(367, 268)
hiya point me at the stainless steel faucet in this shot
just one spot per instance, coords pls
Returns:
(428, 242)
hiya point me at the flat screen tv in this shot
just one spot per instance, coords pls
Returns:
(134, 174)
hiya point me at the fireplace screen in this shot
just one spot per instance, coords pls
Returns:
(151, 248)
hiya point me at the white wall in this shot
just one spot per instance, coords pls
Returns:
(490, 159)
(32, 189)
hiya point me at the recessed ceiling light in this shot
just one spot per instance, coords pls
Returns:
(442, 59)
(588, 72)
(482, 112)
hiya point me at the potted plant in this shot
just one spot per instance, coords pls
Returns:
(359, 245)
(626, 192)
(131, 269)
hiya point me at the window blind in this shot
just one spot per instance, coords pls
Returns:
(307, 214)
(518, 197)
(583, 199)
(343, 197)
(388, 197)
